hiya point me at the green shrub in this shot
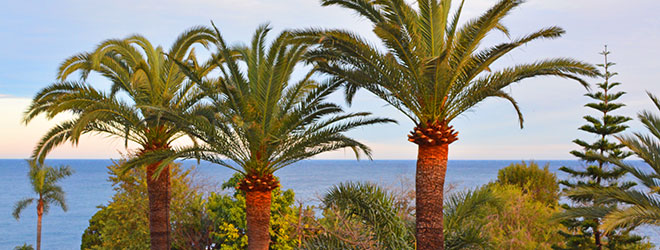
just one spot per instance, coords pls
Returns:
(541, 184)
(521, 221)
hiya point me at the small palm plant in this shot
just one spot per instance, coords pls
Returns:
(44, 184)
(433, 70)
(144, 82)
(262, 120)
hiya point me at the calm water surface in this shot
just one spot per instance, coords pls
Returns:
(88, 187)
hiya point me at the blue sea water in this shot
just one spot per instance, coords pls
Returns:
(88, 187)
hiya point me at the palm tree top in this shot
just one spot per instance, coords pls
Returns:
(433, 69)
(44, 184)
(150, 80)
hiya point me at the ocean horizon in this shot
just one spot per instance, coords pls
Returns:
(89, 187)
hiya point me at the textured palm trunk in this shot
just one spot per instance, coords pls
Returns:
(40, 214)
(159, 207)
(257, 206)
(429, 189)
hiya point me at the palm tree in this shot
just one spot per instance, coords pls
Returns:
(432, 71)
(44, 184)
(262, 120)
(643, 206)
(144, 82)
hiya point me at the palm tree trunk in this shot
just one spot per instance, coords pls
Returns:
(429, 189)
(597, 235)
(159, 207)
(257, 206)
(40, 214)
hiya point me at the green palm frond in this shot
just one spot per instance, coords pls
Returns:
(373, 207)
(462, 231)
(20, 205)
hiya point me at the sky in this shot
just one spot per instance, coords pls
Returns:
(38, 35)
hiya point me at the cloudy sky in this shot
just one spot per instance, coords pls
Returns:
(38, 35)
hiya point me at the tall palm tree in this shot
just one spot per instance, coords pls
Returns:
(643, 205)
(44, 184)
(433, 70)
(261, 120)
(144, 81)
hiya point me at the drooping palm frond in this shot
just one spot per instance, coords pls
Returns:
(375, 208)
(462, 230)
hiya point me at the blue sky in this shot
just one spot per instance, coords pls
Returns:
(38, 35)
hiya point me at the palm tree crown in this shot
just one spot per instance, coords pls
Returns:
(44, 184)
(433, 69)
(261, 119)
(150, 80)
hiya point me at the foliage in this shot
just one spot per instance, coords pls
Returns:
(44, 180)
(123, 223)
(583, 215)
(541, 184)
(361, 215)
(227, 213)
(521, 221)
(24, 247)
(465, 222)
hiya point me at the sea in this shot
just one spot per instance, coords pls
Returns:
(89, 187)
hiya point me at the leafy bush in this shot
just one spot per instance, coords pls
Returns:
(521, 221)
(541, 184)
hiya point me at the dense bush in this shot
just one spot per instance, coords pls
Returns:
(541, 184)
(521, 221)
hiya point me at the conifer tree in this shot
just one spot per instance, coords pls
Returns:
(579, 218)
